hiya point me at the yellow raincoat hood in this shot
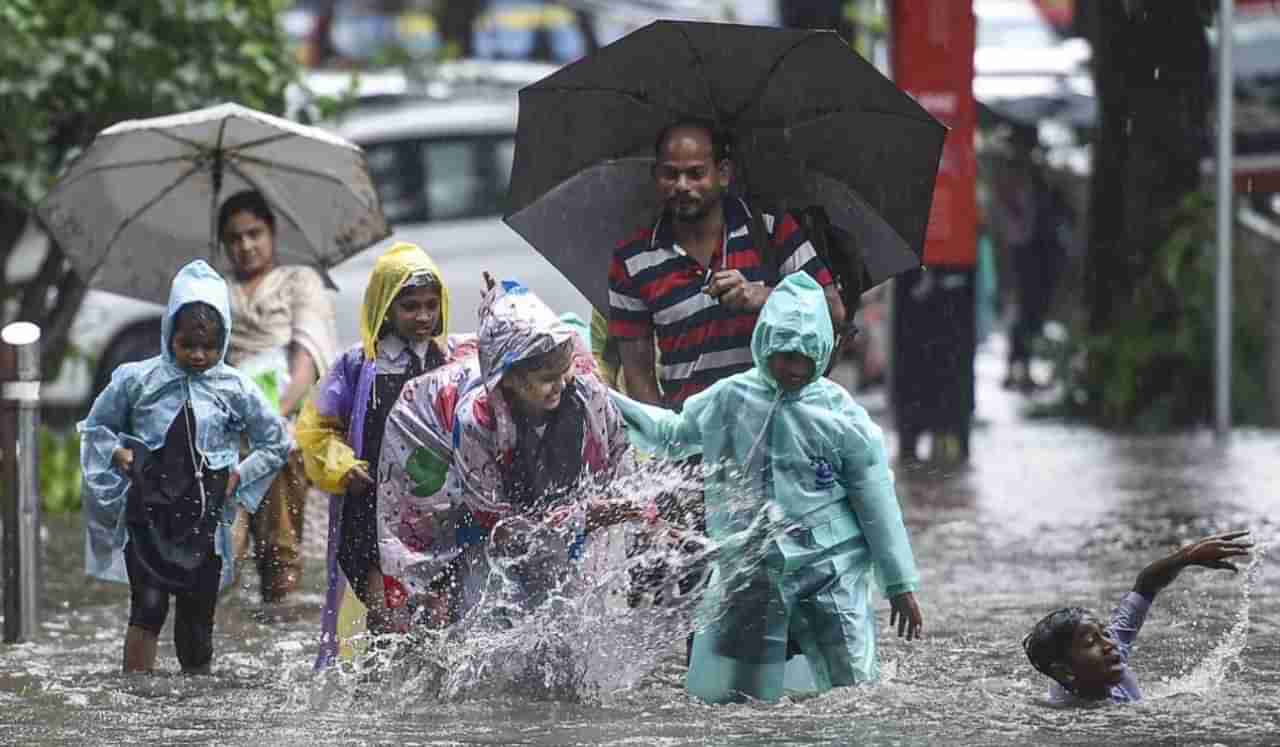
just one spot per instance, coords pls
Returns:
(392, 270)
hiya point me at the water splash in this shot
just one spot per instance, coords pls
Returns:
(543, 627)
(547, 619)
(1211, 672)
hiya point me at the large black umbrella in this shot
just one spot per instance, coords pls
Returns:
(812, 123)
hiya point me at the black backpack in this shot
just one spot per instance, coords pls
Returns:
(835, 246)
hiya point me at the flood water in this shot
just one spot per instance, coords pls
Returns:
(1047, 515)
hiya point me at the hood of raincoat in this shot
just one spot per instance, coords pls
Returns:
(196, 281)
(390, 273)
(515, 325)
(795, 319)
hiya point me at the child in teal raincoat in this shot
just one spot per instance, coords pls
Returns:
(801, 503)
(160, 452)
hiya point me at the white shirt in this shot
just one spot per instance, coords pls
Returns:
(393, 354)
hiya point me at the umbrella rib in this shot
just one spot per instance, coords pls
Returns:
(189, 143)
(269, 139)
(116, 166)
(278, 205)
(764, 80)
(288, 167)
(825, 115)
(637, 98)
(706, 84)
(138, 214)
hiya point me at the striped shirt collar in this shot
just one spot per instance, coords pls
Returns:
(737, 216)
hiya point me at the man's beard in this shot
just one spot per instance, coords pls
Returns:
(691, 212)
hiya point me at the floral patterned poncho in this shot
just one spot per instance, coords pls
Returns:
(450, 440)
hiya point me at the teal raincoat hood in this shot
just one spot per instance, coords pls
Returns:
(799, 497)
(794, 320)
(196, 282)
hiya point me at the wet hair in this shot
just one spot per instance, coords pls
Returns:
(249, 201)
(199, 314)
(1048, 645)
(720, 149)
(553, 357)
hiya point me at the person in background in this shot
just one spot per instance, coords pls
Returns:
(1032, 219)
(284, 337)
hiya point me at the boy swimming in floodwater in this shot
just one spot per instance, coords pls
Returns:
(1088, 660)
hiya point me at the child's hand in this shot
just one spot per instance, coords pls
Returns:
(905, 613)
(358, 481)
(123, 459)
(233, 483)
(1212, 552)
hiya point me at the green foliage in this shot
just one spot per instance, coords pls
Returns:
(69, 68)
(1154, 369)
(59, 470)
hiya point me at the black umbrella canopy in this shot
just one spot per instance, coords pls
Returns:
(801, 107)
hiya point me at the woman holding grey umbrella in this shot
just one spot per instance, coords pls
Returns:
(283, 336)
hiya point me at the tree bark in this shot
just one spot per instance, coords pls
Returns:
(13, 219)
(1151, 73)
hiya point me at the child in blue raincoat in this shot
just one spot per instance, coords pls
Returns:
(160, 452)
(800, 502)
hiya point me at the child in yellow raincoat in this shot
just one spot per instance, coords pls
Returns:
(403, 325)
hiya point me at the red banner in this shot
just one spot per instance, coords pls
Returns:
(933, 61)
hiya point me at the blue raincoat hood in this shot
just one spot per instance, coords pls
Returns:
(196, 282)
(795, 319)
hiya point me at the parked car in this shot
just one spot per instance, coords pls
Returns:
(441, 168)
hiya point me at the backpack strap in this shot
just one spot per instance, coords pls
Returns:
(762, 240)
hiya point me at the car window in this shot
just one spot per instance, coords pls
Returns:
(504, 154)
(398, 176)
(456, 185)
(435, 179)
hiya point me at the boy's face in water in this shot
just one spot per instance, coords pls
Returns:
(196, 345)
(1095, 659)
(792, 370)
(415, 313)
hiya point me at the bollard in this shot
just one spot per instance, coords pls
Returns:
(19, 478)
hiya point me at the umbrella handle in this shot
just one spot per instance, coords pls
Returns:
(215, 175)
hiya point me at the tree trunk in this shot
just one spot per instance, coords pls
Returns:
(1151, 72)
(13, 220)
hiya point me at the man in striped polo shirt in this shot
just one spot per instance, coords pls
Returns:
(696, 277)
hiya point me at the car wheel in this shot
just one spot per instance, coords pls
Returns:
(138, 341)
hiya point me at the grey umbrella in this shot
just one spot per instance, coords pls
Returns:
(143, 198)
(812, 124)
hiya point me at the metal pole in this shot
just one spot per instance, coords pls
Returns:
(1222, 316)
(19, 478)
